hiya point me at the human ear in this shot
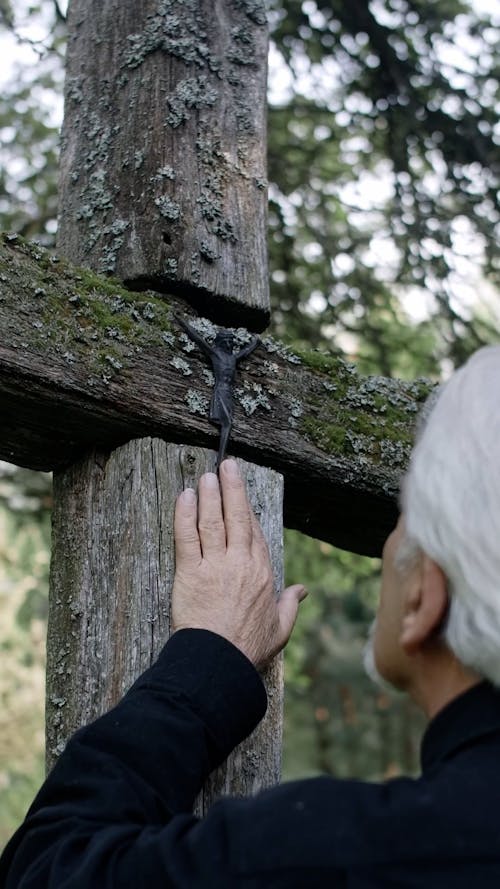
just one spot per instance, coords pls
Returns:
(425, 607)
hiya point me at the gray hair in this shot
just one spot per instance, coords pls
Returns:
(451, 503)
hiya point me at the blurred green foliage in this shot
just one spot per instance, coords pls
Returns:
(24, 567)
(384, 171)
(336, 721)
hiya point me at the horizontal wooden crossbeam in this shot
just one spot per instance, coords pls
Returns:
(85, 363)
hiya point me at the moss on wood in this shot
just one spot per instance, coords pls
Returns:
(101, 332)
(81, 310)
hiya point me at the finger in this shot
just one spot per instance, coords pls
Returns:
(210, 520)
(187, 541)
(236, 506)
(288, 606)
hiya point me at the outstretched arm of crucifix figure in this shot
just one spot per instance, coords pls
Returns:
(193, 334)
(248, 349)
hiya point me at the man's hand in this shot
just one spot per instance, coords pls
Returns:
(224, 580)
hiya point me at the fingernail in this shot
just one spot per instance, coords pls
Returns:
(231, 468)
(210, 480)
(188, 495)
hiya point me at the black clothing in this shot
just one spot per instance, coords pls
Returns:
(115, 811)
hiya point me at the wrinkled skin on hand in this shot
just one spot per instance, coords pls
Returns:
(224, 580)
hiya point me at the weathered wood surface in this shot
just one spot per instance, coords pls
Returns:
(176, 91)
(111, 579)
(163, 160)
(84, 363)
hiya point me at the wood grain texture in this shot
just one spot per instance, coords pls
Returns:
(85, 363)
(111, 579)
(256, 763)
(163, 160)
(162, 182)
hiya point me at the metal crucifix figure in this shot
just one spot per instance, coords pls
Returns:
(224, 362)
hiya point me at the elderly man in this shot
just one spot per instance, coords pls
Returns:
(116, 810)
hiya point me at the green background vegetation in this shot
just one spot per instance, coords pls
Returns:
(383, 168)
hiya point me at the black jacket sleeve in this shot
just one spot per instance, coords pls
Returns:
(116, 809)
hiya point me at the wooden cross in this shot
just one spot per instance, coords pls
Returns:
(163, 187)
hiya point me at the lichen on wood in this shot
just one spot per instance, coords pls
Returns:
(87, 362)
(163, 161)
(110, 601)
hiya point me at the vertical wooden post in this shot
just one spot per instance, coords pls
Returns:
(111, 578)
(162, 168)
(163, 161)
